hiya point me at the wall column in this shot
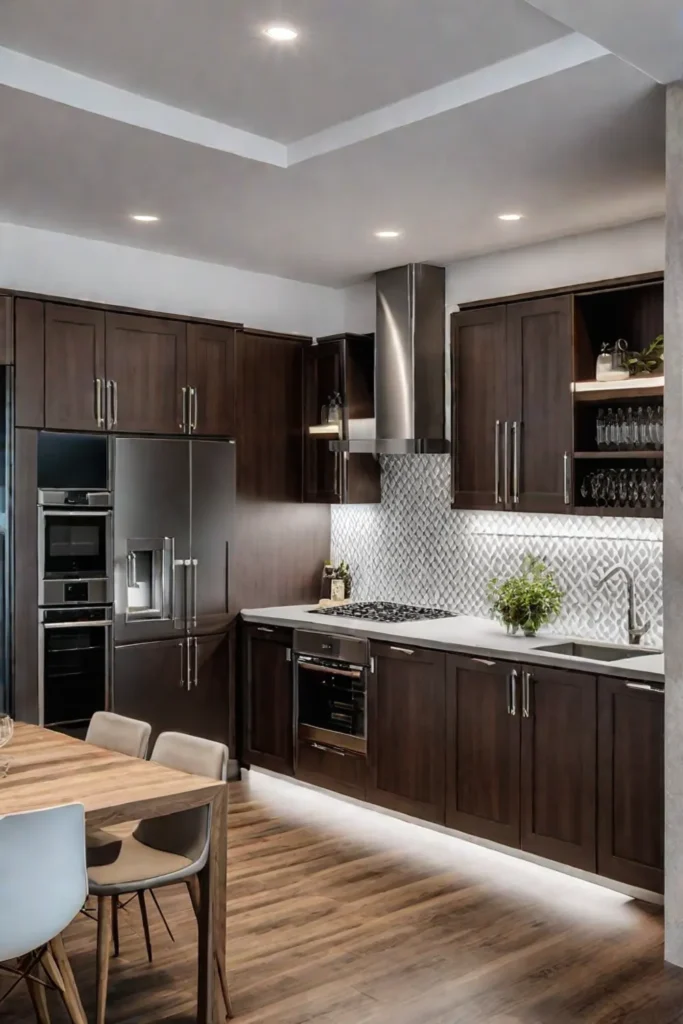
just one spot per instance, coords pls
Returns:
(673, 527)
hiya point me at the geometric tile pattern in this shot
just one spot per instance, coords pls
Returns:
(415, 548)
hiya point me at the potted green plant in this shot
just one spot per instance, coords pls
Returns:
(526, 601)
(649, 361)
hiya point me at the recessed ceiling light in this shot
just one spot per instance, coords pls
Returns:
(281, 33)
(144, 218)
(510, 216)
(387, 234)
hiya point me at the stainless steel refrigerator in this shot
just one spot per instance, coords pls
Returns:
(174, 503)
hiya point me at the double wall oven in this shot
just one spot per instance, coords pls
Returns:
(75, 578)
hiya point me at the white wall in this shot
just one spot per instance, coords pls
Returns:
(34, 260)
(616, 252)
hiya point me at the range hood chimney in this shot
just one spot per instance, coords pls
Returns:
(410, 365)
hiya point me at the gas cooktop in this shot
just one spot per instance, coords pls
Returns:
(384, 611)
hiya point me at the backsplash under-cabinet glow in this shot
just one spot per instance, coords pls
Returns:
(414, 548)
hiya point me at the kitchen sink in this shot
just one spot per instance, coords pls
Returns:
(597, 652)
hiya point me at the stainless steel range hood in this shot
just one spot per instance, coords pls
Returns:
(409, 366)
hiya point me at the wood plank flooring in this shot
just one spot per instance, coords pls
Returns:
(339, 915)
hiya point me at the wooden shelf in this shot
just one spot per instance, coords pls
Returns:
(604, 390)
(643, 454)
(626, 513)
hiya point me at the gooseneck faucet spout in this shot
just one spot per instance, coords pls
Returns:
(636, 629)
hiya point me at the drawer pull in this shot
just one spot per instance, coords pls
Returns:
(484, 661)
(264, 629)
(328, 750)
(402, 650)
(648, 687)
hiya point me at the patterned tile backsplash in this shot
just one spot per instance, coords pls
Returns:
(415, 548)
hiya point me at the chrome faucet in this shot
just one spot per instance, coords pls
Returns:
(636, 629)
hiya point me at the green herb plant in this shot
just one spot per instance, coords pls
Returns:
(526, 601)
(650, 360)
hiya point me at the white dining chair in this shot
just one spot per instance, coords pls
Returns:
(43, 885)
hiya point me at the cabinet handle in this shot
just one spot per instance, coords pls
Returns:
(526, 694)
(506, 463)
(645, 686)
(183, 423)
(264, 629)
(196, 662)
(194, 409)
(189, 665)
(181, 647)
(113, 402)
(484, 661)
(515, 462)
(512, 693)
(402, 650)
(496, 463)
(328, 750)
(565, 467)
(99, 411)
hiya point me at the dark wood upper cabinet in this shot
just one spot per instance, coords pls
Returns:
(341, 365)
(211, 376)
(6, 330)
(479, 368)
(29, 363)
(75, 387)
(406, 704)
(631, 783)
(268, 698)
(539, 342)
(558, 785)
(483, 749)
(146, 370)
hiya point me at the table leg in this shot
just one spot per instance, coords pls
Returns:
(212, 916)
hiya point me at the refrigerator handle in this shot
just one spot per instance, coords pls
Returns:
(196, 662)
(195, 564)
(181, 647)
(189, 665)
(179, 562)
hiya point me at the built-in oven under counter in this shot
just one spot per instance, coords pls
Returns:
(330, 687)
(75, 666)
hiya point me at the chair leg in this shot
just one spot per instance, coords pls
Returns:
(70, 994)
(104, 918)
(145, 923)
(195, 896)
(38, 997)
(115, 924)
(162, 915)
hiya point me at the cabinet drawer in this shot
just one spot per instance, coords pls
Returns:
(337, 770)
(278, 634)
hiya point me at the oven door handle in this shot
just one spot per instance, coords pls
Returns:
(77, 625)
(90, 513)
(310, 666)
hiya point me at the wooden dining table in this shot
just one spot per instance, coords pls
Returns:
(48, 769)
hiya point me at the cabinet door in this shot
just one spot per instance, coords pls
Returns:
(74, 368)
(146, 362)
(479, 369)
(559, 724)
(482, 748)
(269, 710)
(6, 330)
(29, 363)
(150, 683)
(323, 378)
(211, 373)
(631, 783)
(406, 730)
(539, 337)
(208, 706)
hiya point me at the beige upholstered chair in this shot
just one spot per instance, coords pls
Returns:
(161, 851)
(114, 732)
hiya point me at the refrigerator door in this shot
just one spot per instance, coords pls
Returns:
(152, 570)
(213, 513)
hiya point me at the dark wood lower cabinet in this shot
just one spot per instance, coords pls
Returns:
(631, 783)
(482, 749)
(558, 766)
(406, 738)
(268, 698)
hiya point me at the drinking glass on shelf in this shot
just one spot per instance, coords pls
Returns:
(659, 427)
(620, 430)
(659, 489)
(600, 427)
(633, 489)
(586, 486)
(622, 487)
(610, 431)
(651, 428)
(643, 488)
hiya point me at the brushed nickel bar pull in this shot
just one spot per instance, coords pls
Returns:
(264, 629)
(181, 646)
(195, 571)
(506, 463)
(189, 665)
(526, 694)
(194, 409)
(565, 462)
(99, 411)
(484, 661)
(196, 662)
(183, 423)
(645, 686)
(496, 463)
(515, 462)
(114, 403)
(328, 750)
(402, 650)
(512, 693)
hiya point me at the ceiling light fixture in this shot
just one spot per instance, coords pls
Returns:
(281, 33)
(387, 234)
(144, 218)
(510, 216)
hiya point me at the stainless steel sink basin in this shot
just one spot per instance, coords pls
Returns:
(597, 652)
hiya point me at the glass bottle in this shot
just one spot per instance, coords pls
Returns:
(641, 429)
(620, 429)
(629, 430)
(600, 430)
(651, 428)
(610, 430)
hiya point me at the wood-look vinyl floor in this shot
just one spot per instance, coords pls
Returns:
(338, 915)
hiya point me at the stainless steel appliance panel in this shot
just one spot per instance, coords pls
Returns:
(151, 538)
(74, 664)
(213, 513)
(331, 645)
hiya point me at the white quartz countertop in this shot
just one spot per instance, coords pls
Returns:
(463, 634)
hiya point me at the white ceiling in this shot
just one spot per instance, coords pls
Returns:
(521, 115)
